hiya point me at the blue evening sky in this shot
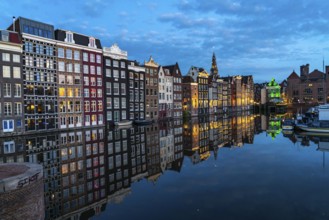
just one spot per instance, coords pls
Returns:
(263, 38)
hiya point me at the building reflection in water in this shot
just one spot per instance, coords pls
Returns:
(84, 170)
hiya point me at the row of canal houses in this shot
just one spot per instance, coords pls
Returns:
(58, 79)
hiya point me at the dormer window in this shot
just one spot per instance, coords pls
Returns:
(69, 37)
(92, 42)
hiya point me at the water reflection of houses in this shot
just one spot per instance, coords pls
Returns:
(153, 152)
(196, 139)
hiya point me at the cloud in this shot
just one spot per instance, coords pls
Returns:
(181, 20)
(95, 8)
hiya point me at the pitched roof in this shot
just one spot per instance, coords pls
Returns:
(293, 75)
(187, 79)
(316, 74)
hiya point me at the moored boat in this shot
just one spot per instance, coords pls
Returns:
(319, 124)
(288, 124)
(123, 123)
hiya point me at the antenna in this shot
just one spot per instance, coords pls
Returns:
(14, 23)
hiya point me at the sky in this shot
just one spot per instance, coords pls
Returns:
(266, 39)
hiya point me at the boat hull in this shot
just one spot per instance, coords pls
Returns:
(123, 123)
(313, 129)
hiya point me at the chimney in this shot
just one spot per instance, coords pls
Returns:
(304, 70)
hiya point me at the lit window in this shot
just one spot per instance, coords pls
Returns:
(6, 71)
(17, 72)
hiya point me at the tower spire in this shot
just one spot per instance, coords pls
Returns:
(214, 69)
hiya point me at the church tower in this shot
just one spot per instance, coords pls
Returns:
(214, 69)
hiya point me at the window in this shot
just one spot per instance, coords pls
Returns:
(108, 88)
(85, 69)
(18, 108)
(8, 126)
(93, 93)
(123, 88)
(85, 57)
(116, 88)
(49, 51)
(99, 93)
(16, 58)
(76, 55)
(92, 81)
(86, 93)
(123, 74)
(123, 102)
(115, 63)
(6, 90)
(77, 80)
(61, 92)
(77, 68)
(87, 106)
(18, 90)
(92, 42)
(100, 106)
(92, 58)
(86, 81)
(98, 70)
(69, 37)
(92, 69)
(123, 64)
(61, 79)
(93, 106)
(7, 109)
(108, 72)
(5, 57)
(108, 103)
(108, 62)
(116, 103)
(28, 47)
(39, 49)
(61, 66)
(98, 58)
(116, 73)
(6, 71)
(69, 67)
(17, 72)
(68, 54)
(99, 81)
(9, 147)
(29, 61)
(60, 52)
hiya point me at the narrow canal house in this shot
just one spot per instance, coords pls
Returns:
(93, 86)
(201, 76)
(11, 77)
(175, 72)
(136, 91)
(70, 78)
(190, 96)
(152, 89)
(39, 74)
(166, 101)
(116, 84)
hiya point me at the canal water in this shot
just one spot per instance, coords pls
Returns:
(233, 167)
